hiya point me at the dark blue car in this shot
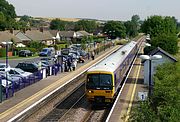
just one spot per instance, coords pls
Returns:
(45, 52)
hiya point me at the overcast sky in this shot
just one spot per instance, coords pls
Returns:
(97, 9)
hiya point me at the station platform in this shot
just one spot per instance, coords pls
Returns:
(29, 95)
(134, 91)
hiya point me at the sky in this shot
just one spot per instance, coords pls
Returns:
(97, 9)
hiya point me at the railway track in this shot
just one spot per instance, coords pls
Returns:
(65, 107)
(76, 108)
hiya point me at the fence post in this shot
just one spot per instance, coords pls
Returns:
(1, 90)
(13, 88)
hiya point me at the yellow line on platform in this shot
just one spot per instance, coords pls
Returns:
(133, 93)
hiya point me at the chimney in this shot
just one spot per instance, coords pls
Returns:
(24, 30)
(41, 29)
(12, 31)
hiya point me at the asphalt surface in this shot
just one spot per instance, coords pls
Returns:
(14, 62)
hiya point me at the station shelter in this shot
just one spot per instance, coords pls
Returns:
(166, 58)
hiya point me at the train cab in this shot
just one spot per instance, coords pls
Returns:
(100, 86)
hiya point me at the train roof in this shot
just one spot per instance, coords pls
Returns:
(110, 63)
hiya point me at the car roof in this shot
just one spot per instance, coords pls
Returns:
(3, 64)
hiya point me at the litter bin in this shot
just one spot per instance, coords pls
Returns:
(15, 53)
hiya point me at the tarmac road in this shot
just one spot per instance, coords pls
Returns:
(14, 62)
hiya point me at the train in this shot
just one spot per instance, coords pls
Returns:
(104, 79)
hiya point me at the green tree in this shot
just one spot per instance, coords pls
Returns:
(3, 23)
(7, 15)
(57, 24)
(86, 25)
(156, 25)
(25, 18)
(162, 31)
(36, 45)
(115, 29)
(132, 27)
(168, 42)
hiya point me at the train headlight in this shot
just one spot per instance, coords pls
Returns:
(90, 91)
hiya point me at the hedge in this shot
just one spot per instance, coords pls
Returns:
(2, 52)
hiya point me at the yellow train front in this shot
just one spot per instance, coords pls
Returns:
(104, 79)
(99, 86)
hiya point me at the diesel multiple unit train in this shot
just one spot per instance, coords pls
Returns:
(104, 79)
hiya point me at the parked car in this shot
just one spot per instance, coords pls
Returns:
(47, 52)
(83, 53)
(3, 67)
(19, 73)
(74, 56)
(65, 51)
(28, 67)
(25, 53)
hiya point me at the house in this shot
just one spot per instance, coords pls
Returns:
(40, 36)
(7, 36)
(64, 35)
(83, 33)
(25, 40)
(166, 57)
(69, 35)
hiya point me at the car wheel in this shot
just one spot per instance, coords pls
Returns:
(26, 55)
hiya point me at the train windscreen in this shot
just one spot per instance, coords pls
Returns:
(99, 81)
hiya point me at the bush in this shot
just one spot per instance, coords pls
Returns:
(147, 50)
(36, 45)
(163, 105)
(60, 46)
(2, 52)
(179, 35)
(121, 42)
(25, 48)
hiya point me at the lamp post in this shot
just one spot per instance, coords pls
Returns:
(150, 58)
(7, 43)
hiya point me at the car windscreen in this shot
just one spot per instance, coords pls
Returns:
(99, 81)
(44, 50)
(19, 70)
(2, 66)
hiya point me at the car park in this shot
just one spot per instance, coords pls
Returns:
(25, 53)
(28, 67)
